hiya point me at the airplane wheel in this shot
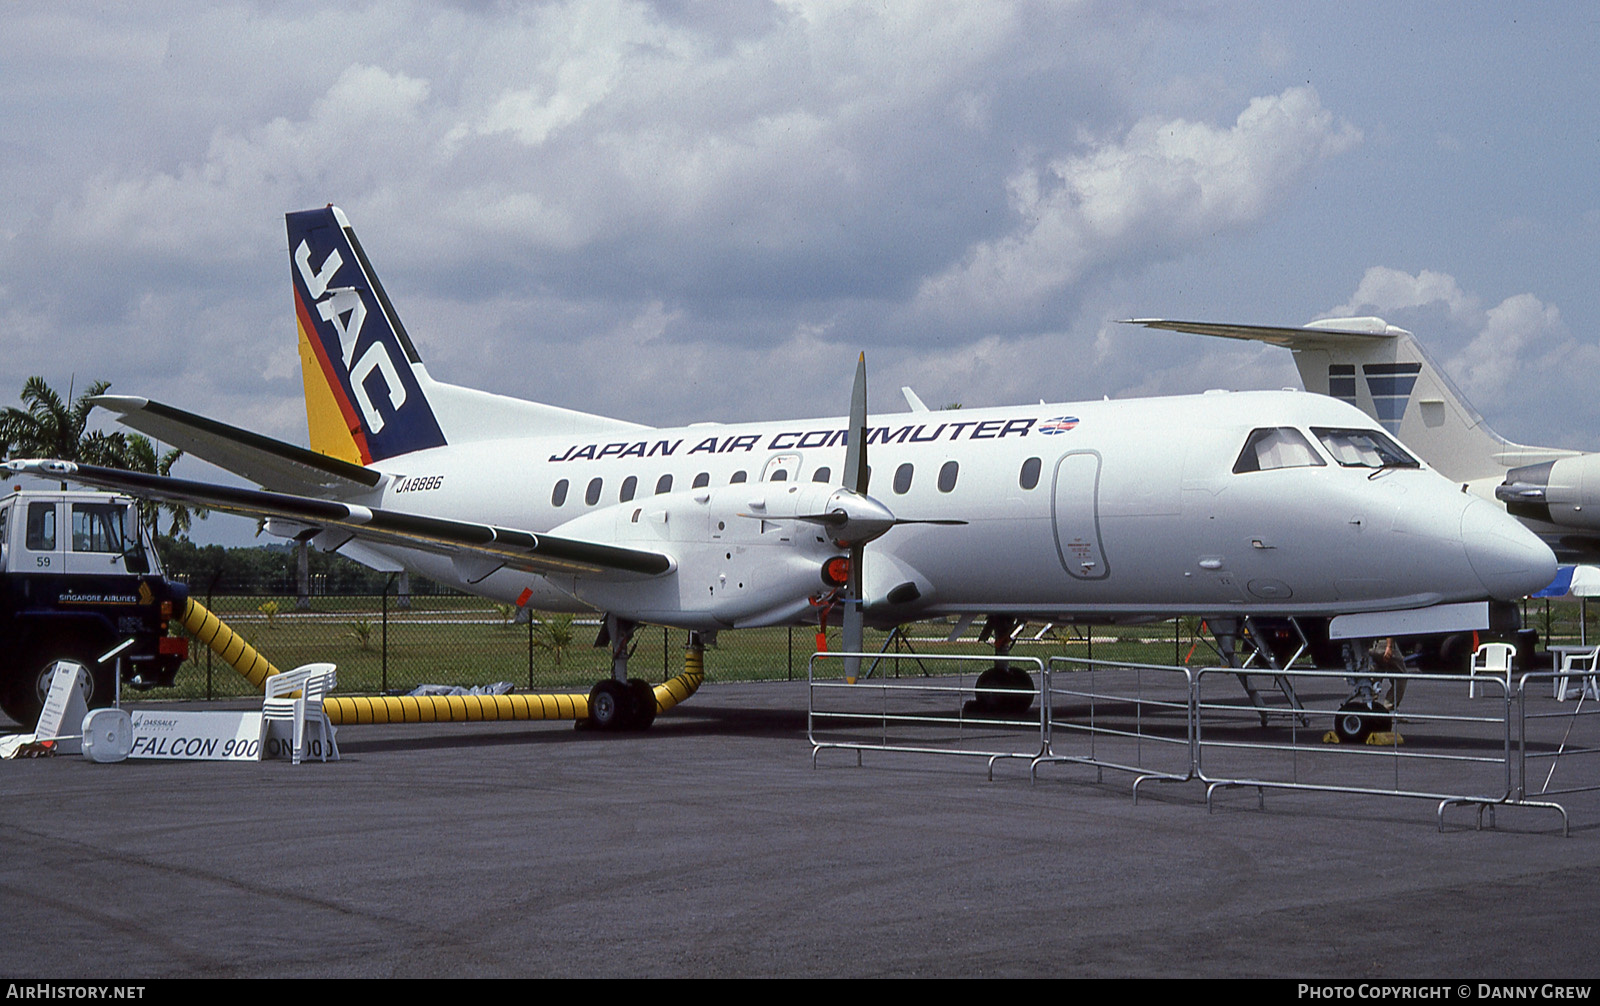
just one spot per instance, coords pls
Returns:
(1359, 719)
(1003, 677)
(610, 705)
(644, 704)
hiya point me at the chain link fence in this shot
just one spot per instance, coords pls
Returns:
(391, 643)
(384, 643)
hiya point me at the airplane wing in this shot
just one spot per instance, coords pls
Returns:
(271, 463)
(479, 549)
(1331, 332)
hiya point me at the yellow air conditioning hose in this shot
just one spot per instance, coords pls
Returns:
(342, 710)
(227, 644)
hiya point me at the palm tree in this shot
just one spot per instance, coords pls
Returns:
(50, 428)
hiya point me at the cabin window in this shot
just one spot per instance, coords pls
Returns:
(1029, 476)
(823, 474)
(1364, 449)
(1277, 447)
(558, 495)
(630, 485)
(947, 476)
(902, 479)
(780, 475)
(663, 484)
(702, 480)
(737, 478)
(591, 495)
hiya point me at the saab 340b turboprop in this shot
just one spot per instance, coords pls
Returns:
(1222, 504)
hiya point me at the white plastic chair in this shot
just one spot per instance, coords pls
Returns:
(1491, 659)
(1582, 665)
(296, 697)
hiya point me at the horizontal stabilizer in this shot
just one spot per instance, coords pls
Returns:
(1317, 335)
(271, 463)
(476, 544)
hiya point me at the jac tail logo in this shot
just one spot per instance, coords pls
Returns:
(344, 309)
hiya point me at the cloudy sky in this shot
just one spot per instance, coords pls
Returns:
(681, 211)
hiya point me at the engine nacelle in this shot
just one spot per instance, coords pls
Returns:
(741, 559)
(1564, 492)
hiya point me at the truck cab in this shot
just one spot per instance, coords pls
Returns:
(78, 575)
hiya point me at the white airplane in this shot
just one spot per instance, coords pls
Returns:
(1385, 372)
(1222, 504)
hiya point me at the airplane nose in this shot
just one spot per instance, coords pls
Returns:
(1509, 559)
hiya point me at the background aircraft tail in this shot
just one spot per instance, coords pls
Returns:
(368, 396)
(1384, 371)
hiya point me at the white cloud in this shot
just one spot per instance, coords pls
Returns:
(1520, 337)
(1387, 290)
(1164, 186)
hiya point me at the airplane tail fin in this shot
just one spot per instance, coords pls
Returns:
(368, 396)
(1384, 371)
(363, 377)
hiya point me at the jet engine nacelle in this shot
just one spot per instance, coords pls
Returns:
(740, 558)
(1564, 492)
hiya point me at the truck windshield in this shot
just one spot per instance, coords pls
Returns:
(99, 527)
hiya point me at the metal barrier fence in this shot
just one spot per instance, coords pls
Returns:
(1538, 747)
(933, 714)
(1512, 746)
(1128, 717)
(1458, 751)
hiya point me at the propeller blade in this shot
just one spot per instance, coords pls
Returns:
(855, 454)
(850, 636)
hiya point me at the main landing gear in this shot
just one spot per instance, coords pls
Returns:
(620, 702)
(1004, 690)
(623, 703)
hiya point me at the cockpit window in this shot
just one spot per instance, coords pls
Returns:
(1276, 447)
(1364, 449)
